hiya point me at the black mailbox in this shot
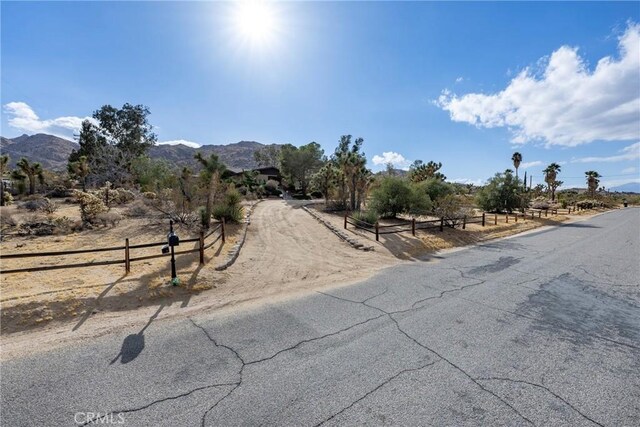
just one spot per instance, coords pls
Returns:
(173, 239)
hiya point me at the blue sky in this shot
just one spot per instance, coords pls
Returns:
(466, 84)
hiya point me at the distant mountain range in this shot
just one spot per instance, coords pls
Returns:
(52, 152)
(630, 187)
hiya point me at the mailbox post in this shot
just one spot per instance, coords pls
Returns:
(172, 241)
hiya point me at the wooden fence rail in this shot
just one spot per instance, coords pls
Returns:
(201, 240)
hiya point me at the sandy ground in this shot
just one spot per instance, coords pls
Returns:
(286, 253)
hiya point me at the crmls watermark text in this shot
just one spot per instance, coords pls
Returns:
(99, 418)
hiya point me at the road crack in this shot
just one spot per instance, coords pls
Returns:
(546, 389)
(370, 392)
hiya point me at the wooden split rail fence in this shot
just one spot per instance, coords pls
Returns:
(413, 225)
(127, 248)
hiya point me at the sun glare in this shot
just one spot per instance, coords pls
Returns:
(255, 21)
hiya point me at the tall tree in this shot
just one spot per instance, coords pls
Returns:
(351, 161)
(127, 130)
(32, 171)
(212, 169)
(592, 181)
(324, 181)
(517, 159)
(550, 177)
(4, 167)
(298, 164)
(420, 171)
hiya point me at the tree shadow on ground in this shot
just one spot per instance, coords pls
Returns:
(133, 344)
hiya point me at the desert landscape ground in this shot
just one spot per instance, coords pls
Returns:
(286, 252)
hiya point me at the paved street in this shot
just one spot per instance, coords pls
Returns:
(540, 329)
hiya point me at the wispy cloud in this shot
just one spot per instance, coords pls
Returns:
(632, 152)
(24, 118)
(397, 159)
(566, 104)
(632, 169)
(180, 142)
(527, 165)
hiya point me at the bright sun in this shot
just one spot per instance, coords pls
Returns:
(255, 21)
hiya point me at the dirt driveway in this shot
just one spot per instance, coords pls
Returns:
(286, 252)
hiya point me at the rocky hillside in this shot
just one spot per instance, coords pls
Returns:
(52, 152)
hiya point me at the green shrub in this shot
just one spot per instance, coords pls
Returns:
(396, 195)
(369, 217)
(435, 188)
(230, 213)
(503, 192)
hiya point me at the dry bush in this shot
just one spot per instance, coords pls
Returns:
(90, 206)
(106, 218)
(540, 203)
(137, 209)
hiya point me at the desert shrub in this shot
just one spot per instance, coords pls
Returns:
(8, 221)
(452, 209)
(540, 203)
(8, 198)
(137, 209)
(230, 213)
(435, 188)
(64, 225)
(90, 206)
(316, 195)
(369, 217)
(503, 192)
(229, 208)
(106, 218)
(150, 195)
(34, 204)
(59, 191)
(271, 187)
(396, 195)
(589, 204)
(49, 206)
(124, 196)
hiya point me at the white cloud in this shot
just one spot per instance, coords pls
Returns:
(180, 142)
(397, 159)
(527, 165)
(23, 118)
(477, 182)
(566, 104)
(630, 170)
(459, 79)
(632, 152)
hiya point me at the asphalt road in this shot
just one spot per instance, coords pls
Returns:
(540, 329)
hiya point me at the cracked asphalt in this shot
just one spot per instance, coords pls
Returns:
(539, 329)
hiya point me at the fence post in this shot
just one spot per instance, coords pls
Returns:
(345, 221)
(483, 218)
(201, 247)
(413, 226)
(495, 219)
(222, 233)
(464, 222)
(539, 214)
(377, 232)
(442, 224)
(532, 215)
(127, 263)
(546, 212)
(516, 215)
(506, 219)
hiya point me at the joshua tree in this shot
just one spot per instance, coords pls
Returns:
(212, 169)
(4, 161)
(517, 159)
(592, 181)
(324, 181)
(80, 169)
(32, 171)
(550, 175)
(350, 160)
(419, 171)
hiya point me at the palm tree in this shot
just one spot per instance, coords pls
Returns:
(32, 171)
(550, 175)
(517, 159)
(212, 169)
(592, 181)
(4, 161)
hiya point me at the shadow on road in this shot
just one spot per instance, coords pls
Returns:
(133, 344)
